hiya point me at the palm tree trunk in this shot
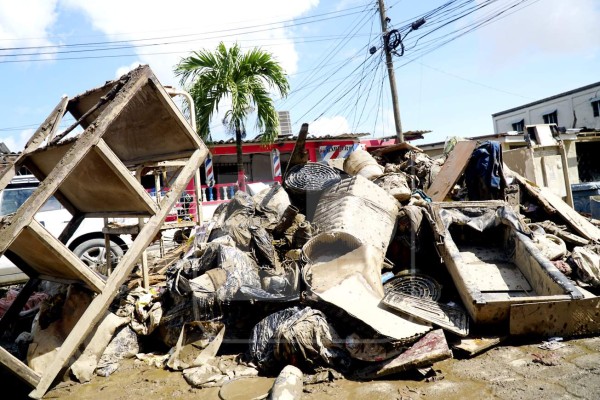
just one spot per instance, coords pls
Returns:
(240, 161)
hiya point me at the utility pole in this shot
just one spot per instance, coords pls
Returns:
(391, 76)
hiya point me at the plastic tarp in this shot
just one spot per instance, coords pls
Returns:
(300, 336)
(481, 218)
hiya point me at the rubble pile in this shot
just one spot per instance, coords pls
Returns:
(351, 273)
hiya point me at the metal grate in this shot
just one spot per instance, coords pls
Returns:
(311, 177)
(418, 285)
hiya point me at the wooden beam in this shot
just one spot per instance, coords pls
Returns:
(299, 154)
(114, 91)
(533, 190)
(74, 264)
(143, 161)
(396, 147)
(25, 213)
(70, 228)
(124, 175)
(18, 304)
(452, 169)
(117, 214)
(565, 169)
(100, 303)
(48, 128)
(58, 194)
(170, 106)
(18, 368)
(575, 220)
(21, 264)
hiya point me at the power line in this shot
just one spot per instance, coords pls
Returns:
(331, 53)
(184, 35)
(474, 82)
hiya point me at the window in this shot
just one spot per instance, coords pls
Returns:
(13, 198)
(519, 126)
(596, 108)
(551, 118)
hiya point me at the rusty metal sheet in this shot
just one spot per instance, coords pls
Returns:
(429, 349)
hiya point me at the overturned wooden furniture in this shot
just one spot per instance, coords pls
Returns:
(493, 264)
(126, 123)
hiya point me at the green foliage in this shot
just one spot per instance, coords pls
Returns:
(243, 78)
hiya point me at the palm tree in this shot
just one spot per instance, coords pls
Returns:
(243, 78)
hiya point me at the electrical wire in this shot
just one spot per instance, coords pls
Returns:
(293, 21)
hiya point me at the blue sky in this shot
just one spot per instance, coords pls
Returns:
(535, 49)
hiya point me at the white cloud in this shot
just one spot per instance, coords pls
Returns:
(548, 27)
(26, 24)
(329, 126)
(183, 23)
(126, 68)
(16, 143)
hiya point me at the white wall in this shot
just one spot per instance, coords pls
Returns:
(580, 102)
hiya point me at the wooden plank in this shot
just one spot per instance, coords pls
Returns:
(151, 159)
(166, 100)
(116, 214)
(396, 147)
(124, 175)
(21, 264)
(520, 161)
(18, 368)
(25, 213)
(74, 264)
(556, 318)
(100, 303)
(299, 154)
(553, 175)
(58, 194)
(49, 125)
(566, 177)
(575, 220)
(48, 128)
(533, 191)
(429, 349)
(451, 170)
(70, 228)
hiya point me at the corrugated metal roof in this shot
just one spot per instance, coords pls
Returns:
(293, 138)
(410, 135)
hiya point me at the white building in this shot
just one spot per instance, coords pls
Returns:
(578, 108)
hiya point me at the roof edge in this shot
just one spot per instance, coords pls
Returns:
(556, 96)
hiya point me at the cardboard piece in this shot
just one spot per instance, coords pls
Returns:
(357, 275)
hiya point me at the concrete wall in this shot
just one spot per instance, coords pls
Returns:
(579, 102)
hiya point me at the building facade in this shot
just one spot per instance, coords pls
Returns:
(575, 109)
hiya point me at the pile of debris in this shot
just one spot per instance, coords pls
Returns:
(353, 273)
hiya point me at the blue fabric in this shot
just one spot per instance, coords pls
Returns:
(484, 176)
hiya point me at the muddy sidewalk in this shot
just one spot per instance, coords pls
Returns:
(505, 372)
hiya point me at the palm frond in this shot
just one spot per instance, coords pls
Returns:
(246, 78)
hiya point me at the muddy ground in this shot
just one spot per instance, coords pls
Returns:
(514, 371)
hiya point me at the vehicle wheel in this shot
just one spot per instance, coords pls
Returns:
(93, 253)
